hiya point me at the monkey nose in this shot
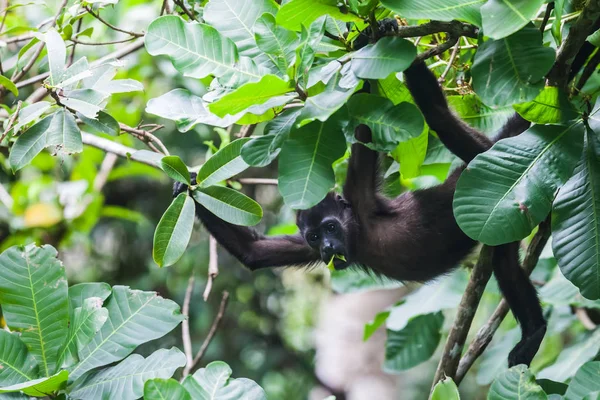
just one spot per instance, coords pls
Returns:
(327, 251)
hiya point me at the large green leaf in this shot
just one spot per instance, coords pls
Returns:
(187, 110)
(262, 150)
(229, 205)
(134, 317)
(165, 389)
(442, 10)
(551, 106)
(576, 223)
(379, 60)
(85, 322)
(9, 85)
(389, 123)
(57, 56)
(224, 164)
(411, 154)
(34, 298)
(585, 381)
(278, 43)
(235, 19)
(17, 365)
(40, 387)
(297, 13)
(511, 70)
(445, 390)
(508, 190)
(176, 169)
(125, 380)
(173, 231)
(307, 48)
(481, 117)
(414, 344)
(29, 144)
(501, 18)
(198, 50)
(103, 123)
(79, 293)
(88, 102)
(250, 94)
(305, 172)
(572, 358)
(215, 383)
(518, 383)
(63, 133)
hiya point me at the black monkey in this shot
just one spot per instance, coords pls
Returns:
(413, 237)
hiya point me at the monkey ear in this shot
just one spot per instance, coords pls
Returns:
(342, 201)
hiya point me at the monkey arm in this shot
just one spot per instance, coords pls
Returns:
(251, 248)
(456, 135)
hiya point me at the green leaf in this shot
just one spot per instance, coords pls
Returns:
(521, 175)
(17, 365)
(297, 13)
(40, 387)
(556, 25)
(186, 110)
(576, 223)
(173, 231)
(278, 43)
(29, 144)
(250, 94)
(88, 102)
(79, 293)
(445, 390)
(372, 326)
(504, 17)
(306, 50)
(31, 113)
(389, 123)
(122, 86)
(414, 344)
(126, 379)
(481, 117)
(74, 74)
(33, 294)
(585, 381)
(305, 172)
(262, 150)
(224, 164)
(518, 383)
(57, 56)
(572, 358)
(551, 106)
(410, 154)
(229, 205)
(378, 61)
(103, 123)
(164, 389)
(64, 134)
(511, 70)
(235, 19)
(85, 322)
(441, 10)
(134, 317)
(176, 169)
(215, 383)
(198, 50)
(9, 85)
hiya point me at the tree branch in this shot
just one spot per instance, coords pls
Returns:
(185, 325)
(486, 332)
(559, 74)
(466, 311)
(453, 28)
(436, 51)
(589, 69)
(213, 266)
(111, 26)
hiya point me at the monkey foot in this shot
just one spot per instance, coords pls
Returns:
(526, 349)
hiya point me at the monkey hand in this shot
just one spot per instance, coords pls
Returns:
(384, 27)
(179, 187)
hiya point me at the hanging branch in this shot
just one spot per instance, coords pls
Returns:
(185, 325)
(213, 266)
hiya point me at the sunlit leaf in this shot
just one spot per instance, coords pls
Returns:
(173, 231)
(297, 13)
(278, 43)
(57, 56)
(40, 387)
(551, 106)
(442, 10)
(229, 205)
(165, 389)
(215, 382)
(503, 17)
(445, 390)
(224, 164)
(518, 383)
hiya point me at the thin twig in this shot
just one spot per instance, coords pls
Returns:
(589, 69)
(147, 136)
(480, 276)
(185, 325)
(246, 131)
(184, 9)
(211, 333)
(451, 41)
(76, 41)
(107, 165)
(257, 181)
(453, 28)
(486, 332)
(585, 319)
(111, 26)
(5, 11)
(77, 30)
(442, 77)
(549, 9)
(213, 266)
(11, 121)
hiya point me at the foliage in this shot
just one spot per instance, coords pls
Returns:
(290, 86)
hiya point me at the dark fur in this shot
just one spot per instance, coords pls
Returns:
(413, 237)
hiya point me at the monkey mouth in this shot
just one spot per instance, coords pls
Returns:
(338, 262)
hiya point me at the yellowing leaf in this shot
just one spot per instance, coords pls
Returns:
(42, 215)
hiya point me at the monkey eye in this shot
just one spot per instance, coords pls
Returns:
(313, 237)
(330, 227)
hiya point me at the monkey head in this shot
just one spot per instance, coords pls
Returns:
(327, 228)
